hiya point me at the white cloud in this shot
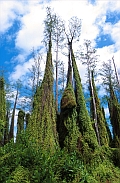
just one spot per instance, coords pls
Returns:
(106, 53)
(10, 11)
(21, 58)
(23, 68)
(107, 114)
(31, 33)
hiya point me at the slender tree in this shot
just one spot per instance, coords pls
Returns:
(113, 104)
(117, 80)
(84, 122)
(72, 34)
(6, 131)
(103, 135)
(114, 109)
(11, 133)
(58, 38)
(116, 73)
(89, 58)
(2, 110)
(62, 79)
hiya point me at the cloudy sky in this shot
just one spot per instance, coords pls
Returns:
(21, 29)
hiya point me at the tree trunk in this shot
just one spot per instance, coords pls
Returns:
(6, 133)
(95, 109)
(116, 72)
(56, 98)
(11, 134)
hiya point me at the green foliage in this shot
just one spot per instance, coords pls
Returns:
(84, 123)
(68, 129)
(114, 109)
(107, 128)
(24, 162)
(42, 123)
(35, 157)
(101, 166)
(104, 138)
(20, 175)
(27, 118)
(20, 121)
(2, 110)
(68, 100)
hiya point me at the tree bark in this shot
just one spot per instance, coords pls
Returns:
(11, 134)
(94, 106)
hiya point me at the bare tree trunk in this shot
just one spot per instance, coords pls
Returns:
(56, 97)
(69, 75)
(116, 71)
(94, 106)
(63, 77)
(11, 134)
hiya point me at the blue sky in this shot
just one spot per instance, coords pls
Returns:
(21, 29)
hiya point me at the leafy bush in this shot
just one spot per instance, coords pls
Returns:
(27, 163)
(20, 175)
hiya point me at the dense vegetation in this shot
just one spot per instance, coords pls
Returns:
(70, 145)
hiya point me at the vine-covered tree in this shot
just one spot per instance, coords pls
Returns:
(84, 122)
(113, 104)
(6, 131)
(43, 119)
(68, 129)
(103, 135)
(89, 58)
(35, 156)
(2, 110)
(20, 122)
(27, 118)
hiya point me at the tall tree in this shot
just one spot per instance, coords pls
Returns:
(114, 109)
(72, 34)
(36, 70)
(84, 122)
(116, 73)
(6, 131)
(58, 38)
(68, 129)
(88, 138)
(103, 135)
(2, 110)
(113, 104)
(42, 124)
(117, 79)
(89, 58)
(11, 133)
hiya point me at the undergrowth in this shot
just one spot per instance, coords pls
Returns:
(25, 163)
